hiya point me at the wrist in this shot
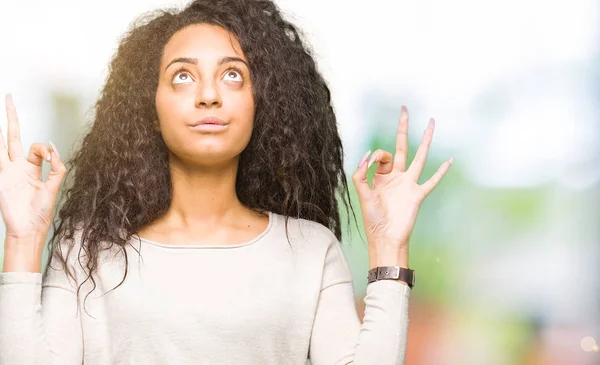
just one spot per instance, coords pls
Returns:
(396, 273)
(23, 254)
(388, 256)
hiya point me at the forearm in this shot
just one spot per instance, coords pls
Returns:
(384, 331)
(36, 334)
(37, 326)
(23, 254)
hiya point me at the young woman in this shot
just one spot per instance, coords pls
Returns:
(201, 224)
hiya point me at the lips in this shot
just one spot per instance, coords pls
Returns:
(209, 120)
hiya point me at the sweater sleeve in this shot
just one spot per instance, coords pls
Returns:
(338, 336)
(39, 322)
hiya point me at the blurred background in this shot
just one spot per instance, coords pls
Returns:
(506, 248)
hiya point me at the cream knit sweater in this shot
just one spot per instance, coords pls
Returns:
(260, 302)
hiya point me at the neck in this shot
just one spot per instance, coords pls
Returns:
(203, 196)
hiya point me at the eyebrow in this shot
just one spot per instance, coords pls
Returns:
(194, 61)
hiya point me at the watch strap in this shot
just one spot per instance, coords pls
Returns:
(392, 273)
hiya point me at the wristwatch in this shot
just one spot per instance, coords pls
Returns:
(393, 273)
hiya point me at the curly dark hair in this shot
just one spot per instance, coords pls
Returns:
(293, 164)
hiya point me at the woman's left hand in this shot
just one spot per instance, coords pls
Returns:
(390, 206)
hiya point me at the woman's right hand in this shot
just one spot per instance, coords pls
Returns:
(27, 202)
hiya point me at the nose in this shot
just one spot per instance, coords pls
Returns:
(208, 95)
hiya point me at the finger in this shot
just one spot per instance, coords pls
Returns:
(54, 148)
(402, 141)
(57, 172)
(3, 151)
(15, 150)
(359, 178)
(430, 184)
(38, 153)
(384, 160)
(416, 167)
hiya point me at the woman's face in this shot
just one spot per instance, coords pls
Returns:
(203, 73)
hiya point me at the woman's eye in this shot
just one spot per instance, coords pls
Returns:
(233, 75)
(182, 77)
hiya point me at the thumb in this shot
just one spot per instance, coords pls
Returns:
(361, 183)
(57, 172)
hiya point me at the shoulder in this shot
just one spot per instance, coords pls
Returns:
(306, 234)
(322, 249)
(69, 252)
(63, 267)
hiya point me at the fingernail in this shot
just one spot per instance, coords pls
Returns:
(404, 108)
(8, 99)
(431, 123)
(451, 160)
(48, 157)
(54, 149)
(371, 160)
(363, 159)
